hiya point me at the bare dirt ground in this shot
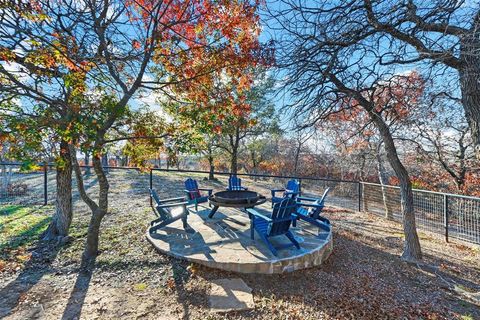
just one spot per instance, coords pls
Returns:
(364, 278)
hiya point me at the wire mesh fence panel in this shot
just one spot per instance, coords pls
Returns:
(21, 187)
(381, 200)
(343, 194)
(429, 211)
(464, 218)
(432, 209)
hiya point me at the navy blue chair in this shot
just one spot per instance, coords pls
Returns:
(292, 190)
(169, 211)
(278, 224)
(309, 210)
(235, 183)
(194, 195)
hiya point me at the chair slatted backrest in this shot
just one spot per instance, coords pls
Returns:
(321, 203)
(293, 186)
(191, 186)
(281, 211)
(234, 183)
(164, 214)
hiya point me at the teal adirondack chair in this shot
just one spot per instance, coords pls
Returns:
(169, 211)
(194, 195)
(235, 183)
(309, 209)
(278, 224)
(292, 190)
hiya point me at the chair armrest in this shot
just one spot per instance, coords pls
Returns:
(307, 199)
(311, 205)
(172, 199)
(178, 204)
(255, 213)
(291, 192)
(206, 189)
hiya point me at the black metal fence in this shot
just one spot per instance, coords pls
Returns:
(454, 216)
(450, 215)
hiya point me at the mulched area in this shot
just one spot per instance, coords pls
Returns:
(364, 278)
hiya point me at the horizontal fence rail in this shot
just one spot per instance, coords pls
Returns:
(450, 215)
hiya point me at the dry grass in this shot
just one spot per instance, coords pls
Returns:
(363, 279)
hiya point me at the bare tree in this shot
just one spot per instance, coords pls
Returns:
(327, 74)
(441, 135)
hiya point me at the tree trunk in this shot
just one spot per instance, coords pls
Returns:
(98, 212)
(234, 144)
(297, 156)
(234, 162)
(383, 178)
(91, 247)
(470, 84)
(411, 249)
(211, 168)
(62, 218)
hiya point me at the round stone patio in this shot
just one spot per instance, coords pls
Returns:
(223, 242)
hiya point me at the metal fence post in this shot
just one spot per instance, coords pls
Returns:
(151, 186)
(359, 196)
(445, 215)
(45, 187)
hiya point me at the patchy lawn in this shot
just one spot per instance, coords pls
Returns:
(20, 228)
(364, 278)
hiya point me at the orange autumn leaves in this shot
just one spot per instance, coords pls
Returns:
(394, 98)
(207, 50)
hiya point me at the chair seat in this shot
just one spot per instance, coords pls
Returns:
(176, 212)
(202, 199)
(303, 212)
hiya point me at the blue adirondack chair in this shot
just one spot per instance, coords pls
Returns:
(277, 224)
(309, 209)
(194, 195)
(292, 190)
(235, 183)
(169, 211)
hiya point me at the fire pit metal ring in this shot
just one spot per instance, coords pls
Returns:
(235, 199)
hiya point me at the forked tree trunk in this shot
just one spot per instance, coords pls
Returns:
(469, 82)
(91, 246)
(98, 209)
(411, 250)
(62, 218)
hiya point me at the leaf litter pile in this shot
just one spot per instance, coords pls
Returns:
(364, 278)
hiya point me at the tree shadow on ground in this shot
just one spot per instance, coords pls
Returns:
(39, 265)
(186, 297)
(77, 297)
